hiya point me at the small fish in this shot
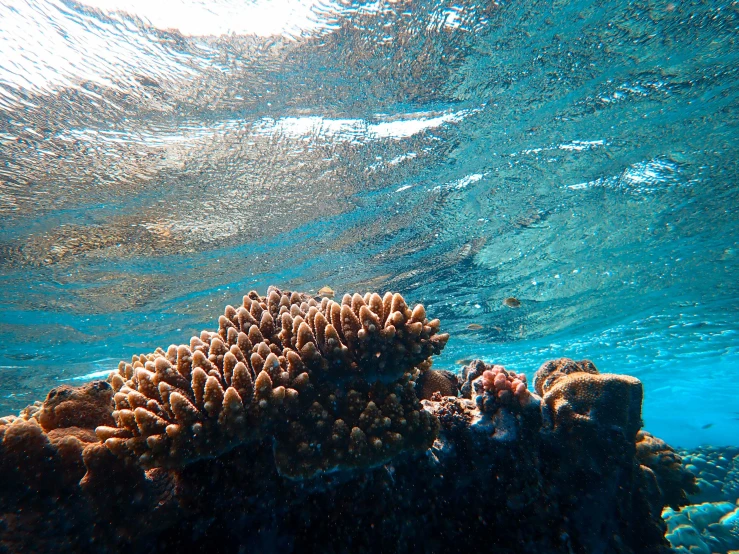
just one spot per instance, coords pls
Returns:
(512, 302)
(463, 361)
(474, 327)
(707, 426)
(326, 291)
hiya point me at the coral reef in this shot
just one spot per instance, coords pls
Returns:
(711, 523)
(708, 528)
(717, 470)
(299, 426)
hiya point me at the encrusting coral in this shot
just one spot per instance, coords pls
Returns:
(332, 383)
(437, 381)
(553, 370)
(717, 472)
(56, 431)
(674, 480)
(590, 421)
(58, 477)
(87, 406)
(707, 528)
(711, 522)
(576, 394)
(470, 372)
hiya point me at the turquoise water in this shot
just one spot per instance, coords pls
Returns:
(158, 162)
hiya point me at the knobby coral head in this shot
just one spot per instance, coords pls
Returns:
(494, 386)
(505, 385)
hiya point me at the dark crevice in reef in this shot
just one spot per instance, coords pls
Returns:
(307, 425)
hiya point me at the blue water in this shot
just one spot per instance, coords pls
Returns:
(161, 159)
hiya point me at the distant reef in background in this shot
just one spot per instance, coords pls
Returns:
(308, 425)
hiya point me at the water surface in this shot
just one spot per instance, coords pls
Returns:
(158, 162)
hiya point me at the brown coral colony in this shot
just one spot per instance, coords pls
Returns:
(274, 369)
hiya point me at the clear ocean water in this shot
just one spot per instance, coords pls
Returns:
(160, 159)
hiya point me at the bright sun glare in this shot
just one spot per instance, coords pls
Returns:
(218, 17)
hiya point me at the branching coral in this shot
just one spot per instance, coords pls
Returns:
(332, 383)
(502, 403)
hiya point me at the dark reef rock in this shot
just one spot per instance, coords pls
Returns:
(507, 470)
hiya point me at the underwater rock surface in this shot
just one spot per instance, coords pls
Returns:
(298, 426)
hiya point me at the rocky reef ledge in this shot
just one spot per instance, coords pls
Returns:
(308, 425)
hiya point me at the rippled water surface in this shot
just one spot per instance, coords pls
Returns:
(160, 159)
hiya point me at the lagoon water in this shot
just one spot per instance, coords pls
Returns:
(161, 159)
